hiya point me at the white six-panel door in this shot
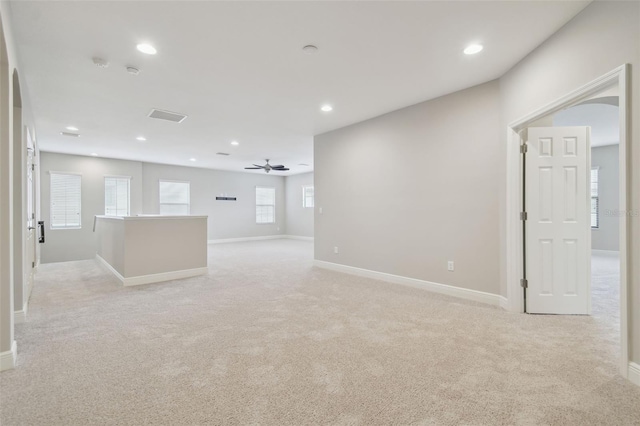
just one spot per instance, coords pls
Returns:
(558, 226)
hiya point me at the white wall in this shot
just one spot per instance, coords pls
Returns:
(227, 219)
(62, 245)
(606, 236)
(406, 192)
(12, 207)
(602, 37)
(299, 218)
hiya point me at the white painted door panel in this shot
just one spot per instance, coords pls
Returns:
(558, 226)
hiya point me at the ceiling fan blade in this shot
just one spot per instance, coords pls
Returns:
(279, 166)
(281, 169)
(253, 168)
(259, 166)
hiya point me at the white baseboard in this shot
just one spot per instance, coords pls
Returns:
(8, 358)
(152, 278)
(463, 293)
(634, 373)
(605, 252)
(165, 276)
(298, 237)
(21, 316)
(266, 237)
(111, 269)
(241, 240)
(504, 303)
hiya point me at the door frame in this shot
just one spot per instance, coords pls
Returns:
(515, 192)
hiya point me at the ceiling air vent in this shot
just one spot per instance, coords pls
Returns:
(167, 115)
(73, 135)
(222, 153)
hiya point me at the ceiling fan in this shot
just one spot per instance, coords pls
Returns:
(268, 167)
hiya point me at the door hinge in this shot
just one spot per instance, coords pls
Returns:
(523, 215)
(33, 167)
(524, 283)
(523, 148)
(33, 264)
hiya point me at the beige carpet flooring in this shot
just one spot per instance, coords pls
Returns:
(268, 339)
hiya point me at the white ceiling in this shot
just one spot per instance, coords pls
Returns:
(238, 71)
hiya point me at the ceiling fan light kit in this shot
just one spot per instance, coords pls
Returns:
(268, 167)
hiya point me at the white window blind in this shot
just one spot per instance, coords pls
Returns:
(65, 200)
(307, 196)
(265, 205)
(595, 217)
(174, 198)
(116, 196)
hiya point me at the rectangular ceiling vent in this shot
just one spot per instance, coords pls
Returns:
(167, 115)
(73, 135)
(222, 153)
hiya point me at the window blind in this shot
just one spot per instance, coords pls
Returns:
(65, 200)
(174, 198)
(116, 196)
(595, 201)
(307, 196)
(265, 205)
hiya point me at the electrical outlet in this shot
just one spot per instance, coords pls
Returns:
(320, 210)
(450, 265)
(335, 250)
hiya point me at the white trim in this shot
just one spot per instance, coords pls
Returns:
(243, 239)
(262, 238)
(514, 262)
(21, 316)
(634, 373)
(504, 303)
(111, 269)
(462, 293)
(298, 237)
(8, 358)
(152, 278)
(607, 252)
(165, 276)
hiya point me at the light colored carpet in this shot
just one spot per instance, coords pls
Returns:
(268, 339)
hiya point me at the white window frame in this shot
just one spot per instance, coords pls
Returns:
(174, 204)
(596, 197)
(258, 222)
(305, 196)
(51, 225)
(128, 179)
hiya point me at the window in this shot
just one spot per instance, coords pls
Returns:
(265, 205)
(174, 198)
(307, 196)
(116, 196)
(595, 217)
(65, 200)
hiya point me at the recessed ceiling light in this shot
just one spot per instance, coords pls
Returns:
(146, 48)
(192, 159)
(235, 143)
(72, 128)
(141, 138)
(326, 108)
(73, 135)
(94, 154)
(473, 49)
(302, 164)
(310, 49)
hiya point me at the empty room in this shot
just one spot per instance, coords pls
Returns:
(319, 212)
